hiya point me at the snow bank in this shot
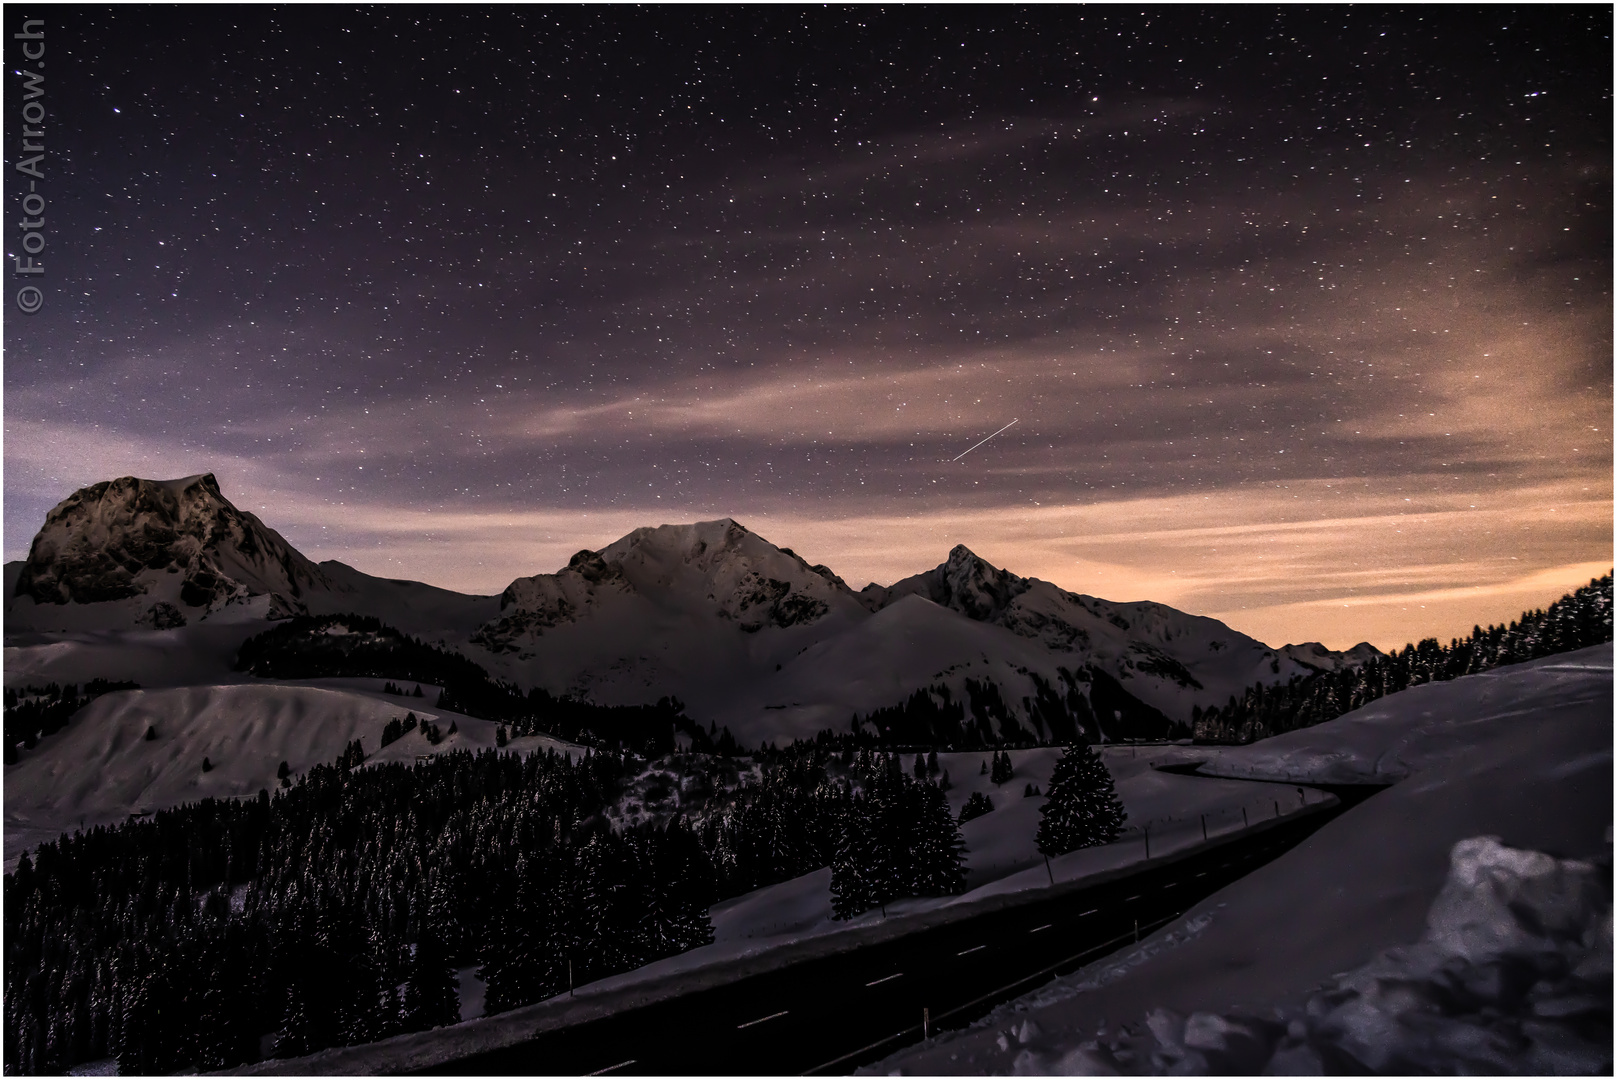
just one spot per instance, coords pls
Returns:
(1513, 975)
(1522, 753)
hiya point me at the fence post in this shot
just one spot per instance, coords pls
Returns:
(1047, 870)
(1204, 826)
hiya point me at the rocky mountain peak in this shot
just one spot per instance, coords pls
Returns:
(973, 586)
(121, 538)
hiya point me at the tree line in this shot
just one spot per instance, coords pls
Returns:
(1577, 620)
(362, 646)
(33, 712)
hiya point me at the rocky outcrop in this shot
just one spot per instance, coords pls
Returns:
(122, 538)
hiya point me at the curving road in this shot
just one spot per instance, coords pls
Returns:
(832, 1014)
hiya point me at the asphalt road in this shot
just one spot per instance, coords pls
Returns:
(835, 1013)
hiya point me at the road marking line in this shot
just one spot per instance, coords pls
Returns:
(1131, 898)
(1036, 929)
(1091, 911)
(1202, 874)
(760, 1020)
(973, 949)
(885, 978)
(609, 1068)
(1170, 885)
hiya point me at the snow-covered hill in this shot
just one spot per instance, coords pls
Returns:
(102, 768)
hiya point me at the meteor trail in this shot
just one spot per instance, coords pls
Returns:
(969, 449)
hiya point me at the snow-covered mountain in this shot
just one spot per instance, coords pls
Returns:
(1166, 657)
(747, 634)
(752, 637)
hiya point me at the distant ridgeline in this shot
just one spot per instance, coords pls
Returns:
(32, 712)
(361, 646)
(337, 910)
(1575, 621)
(933, 717)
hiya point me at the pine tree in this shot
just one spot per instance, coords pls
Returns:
(1083, 809)
(1003, 769)
(976, 806)
(431, 989)
(862, 869)
(937, 865)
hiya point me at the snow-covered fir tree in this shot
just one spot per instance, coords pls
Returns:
(938, 857)
(1082, 808)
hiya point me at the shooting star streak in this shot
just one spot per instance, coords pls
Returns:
(969, 449)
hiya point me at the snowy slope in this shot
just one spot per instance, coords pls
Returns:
(1523, 753)
(879, 661)
(100, 768)
(438, 616)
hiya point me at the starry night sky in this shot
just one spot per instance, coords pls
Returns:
(1304, 315)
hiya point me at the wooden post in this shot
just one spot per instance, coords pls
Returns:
(1277, 808)
(1243, 817)
(1047, 870)
(1204, 826)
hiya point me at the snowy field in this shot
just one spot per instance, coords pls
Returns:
(1522, 753)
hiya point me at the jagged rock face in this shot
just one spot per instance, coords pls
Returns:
(532, 605)
(981, 591)
(110, 541)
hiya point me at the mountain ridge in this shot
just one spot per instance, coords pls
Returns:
(749, 634)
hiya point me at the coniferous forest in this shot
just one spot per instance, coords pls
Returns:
(337, 910)
(1577, 620)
